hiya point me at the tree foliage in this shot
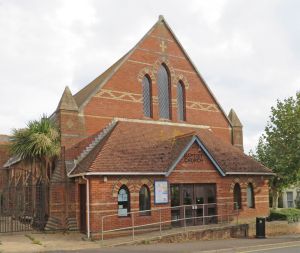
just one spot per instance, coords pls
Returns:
(279, 147)
(39, 141)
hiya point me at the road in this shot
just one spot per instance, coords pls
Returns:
(286, 244)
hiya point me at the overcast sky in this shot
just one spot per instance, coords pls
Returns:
(247, 51)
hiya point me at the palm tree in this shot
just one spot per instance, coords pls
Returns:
(38, 142)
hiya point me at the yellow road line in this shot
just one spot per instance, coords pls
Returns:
(271, 248)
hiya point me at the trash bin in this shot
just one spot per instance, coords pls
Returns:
(260, 227)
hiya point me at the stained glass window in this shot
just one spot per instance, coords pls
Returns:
(123, 201)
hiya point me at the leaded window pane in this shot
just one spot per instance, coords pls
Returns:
(180, 101)
(147, 97)
(123, 201)
(163, 93)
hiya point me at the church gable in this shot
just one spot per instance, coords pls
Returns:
(132, 88)
(195, 158)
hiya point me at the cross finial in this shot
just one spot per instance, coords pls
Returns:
(163, 46)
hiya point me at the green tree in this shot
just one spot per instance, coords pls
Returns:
(38, 142)
(279, 147)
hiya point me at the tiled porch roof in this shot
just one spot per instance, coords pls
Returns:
(151, 148)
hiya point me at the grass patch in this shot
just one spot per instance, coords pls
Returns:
(288, 214)
(33, 240)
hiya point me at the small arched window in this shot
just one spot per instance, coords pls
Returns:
(163, 92)
(123, 201)
(250, 196)
(144, 200)
(237, 197)
(147, 97)
(180, 101)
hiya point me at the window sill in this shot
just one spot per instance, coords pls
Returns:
(124, 217)
(145, 214)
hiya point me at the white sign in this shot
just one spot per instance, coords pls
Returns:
(122, 212)
(161, 191)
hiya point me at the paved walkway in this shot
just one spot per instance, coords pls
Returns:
(39, 242)
(74, 242)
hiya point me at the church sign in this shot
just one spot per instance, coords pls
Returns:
(193, 158)
(161, 192)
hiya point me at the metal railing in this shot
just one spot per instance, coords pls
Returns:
(159, 219)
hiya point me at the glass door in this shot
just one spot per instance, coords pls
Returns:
(175, 203)
(188, 200)
(199, 203)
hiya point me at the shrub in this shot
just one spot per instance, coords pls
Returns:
(288, 214)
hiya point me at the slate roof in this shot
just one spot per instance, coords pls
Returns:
(152, 148)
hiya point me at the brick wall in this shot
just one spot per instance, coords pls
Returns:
(103, 194)
(121, 96)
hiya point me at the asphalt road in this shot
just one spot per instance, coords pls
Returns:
(288, 244)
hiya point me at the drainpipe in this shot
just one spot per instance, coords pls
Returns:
(87, 205)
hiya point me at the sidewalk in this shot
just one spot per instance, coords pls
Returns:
(40, 242)
(60, 242)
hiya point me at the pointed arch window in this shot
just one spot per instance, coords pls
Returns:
(180, 101)
(123, 201)
(147, 96)
(144, 200)
(163, 92)
(250, 196)
(237, 197)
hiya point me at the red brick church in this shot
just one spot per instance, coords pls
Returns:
(148, 133)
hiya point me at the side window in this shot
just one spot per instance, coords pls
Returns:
(180, 101)
(147, 97)
(237, 197)
(163, 92)
(250, 196)
(123, 201)
(144, 200)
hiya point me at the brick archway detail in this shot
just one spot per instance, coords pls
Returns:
(254, 185)
(118, 185)
(171, 70)
(144, 181)
(181, 77)
(147, 71)
(235, 181)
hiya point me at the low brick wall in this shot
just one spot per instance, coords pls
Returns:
(276, 228)
(234, 231)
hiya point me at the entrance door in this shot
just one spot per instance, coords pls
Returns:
(199, 201)
(199, 192)
(188, 200)
(82, 199)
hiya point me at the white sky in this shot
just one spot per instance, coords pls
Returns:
(247, 51)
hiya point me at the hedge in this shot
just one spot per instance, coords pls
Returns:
(288, 214)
